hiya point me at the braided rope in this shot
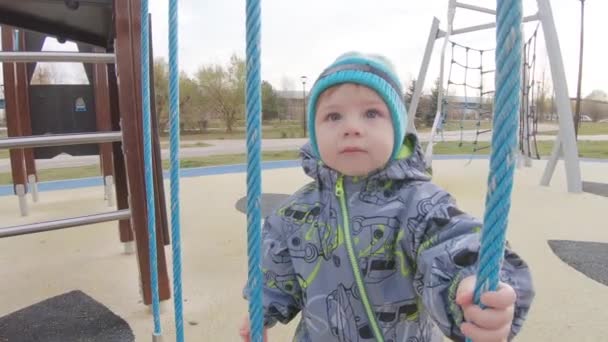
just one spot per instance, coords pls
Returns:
(146, 122)
(504, 145)
(253, 104)
(174, 168)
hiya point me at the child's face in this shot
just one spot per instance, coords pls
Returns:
(354, 129)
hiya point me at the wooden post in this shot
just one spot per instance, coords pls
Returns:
(128, 55)
(25, 119)
(13, 122)
(104, 124)
(120, 172)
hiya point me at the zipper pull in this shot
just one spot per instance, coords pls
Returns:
(340, 186)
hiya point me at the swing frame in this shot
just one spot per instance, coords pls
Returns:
(565, 142)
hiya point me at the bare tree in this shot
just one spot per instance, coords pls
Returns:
(545, 99)
(429, 117)
(191, 103)
(161, 91)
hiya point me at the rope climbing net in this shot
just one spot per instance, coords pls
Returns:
(467, 118)
(529, 114)
(476, 103)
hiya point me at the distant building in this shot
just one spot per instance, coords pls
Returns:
(468, 108)
(591, 110)
(294, 104)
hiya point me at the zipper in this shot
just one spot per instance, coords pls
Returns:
(353, 260)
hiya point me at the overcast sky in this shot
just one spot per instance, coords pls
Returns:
(302, 37)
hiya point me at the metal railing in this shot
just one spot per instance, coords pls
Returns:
(485, 26)
(64, 223)
(60, 140)
(62, 57)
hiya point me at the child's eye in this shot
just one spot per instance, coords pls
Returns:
(372, 114)
(333, 116)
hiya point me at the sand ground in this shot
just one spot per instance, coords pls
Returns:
(569, 306)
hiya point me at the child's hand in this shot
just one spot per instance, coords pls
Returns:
(492, 324)
(244, 331)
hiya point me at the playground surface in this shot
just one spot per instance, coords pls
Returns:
(569, 305)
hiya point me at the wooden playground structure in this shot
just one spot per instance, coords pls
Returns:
(108, 37)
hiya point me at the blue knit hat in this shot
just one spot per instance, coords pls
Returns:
(372, 71)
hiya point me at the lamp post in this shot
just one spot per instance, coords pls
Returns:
(304, 78)
(577, 116)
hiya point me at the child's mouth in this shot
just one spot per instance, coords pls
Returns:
(352, 150)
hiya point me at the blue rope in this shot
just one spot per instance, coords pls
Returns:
(253, 103)
(504, 145)
(145, 95)
(174, 168)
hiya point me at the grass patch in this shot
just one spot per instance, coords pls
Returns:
(228, 159)
(586, 128)
(94, 171)
(466, 125)
(456, 125)
(45, 175)
(276, 132)
(166, 144)
(586, 148)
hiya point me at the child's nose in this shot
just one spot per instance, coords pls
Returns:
(353, 128)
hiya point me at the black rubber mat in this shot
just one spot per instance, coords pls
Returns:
(269, 202)
(600, 189)
(589, 258)
(70, 317)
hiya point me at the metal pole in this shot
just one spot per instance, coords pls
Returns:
(62, 57)
(304, 78)
(476, 8)
(577, 110)
(430, 43)
(525, 105)
(38, 227)
(488, 26)
(429, 147)
(565, 140)
(60, 140)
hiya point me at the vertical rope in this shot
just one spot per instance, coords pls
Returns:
(145, 95)
(482, 110)
(523, 108)
(253, 103)
(174, 168)
(504, 144)
(466, 98)
(535, 111)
